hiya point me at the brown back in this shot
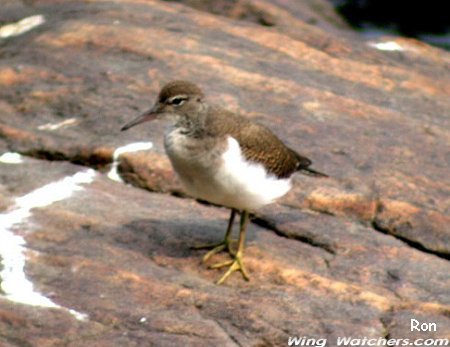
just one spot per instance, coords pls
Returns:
(258, 143)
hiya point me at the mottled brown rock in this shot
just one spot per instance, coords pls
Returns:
(297, 19)
(122, 255)
(342, 203)
(429, 228)
(149, 170)
(318, 12)
(359, 253)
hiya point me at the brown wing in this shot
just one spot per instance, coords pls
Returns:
(258, 143)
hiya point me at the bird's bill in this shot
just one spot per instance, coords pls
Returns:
(145, 117)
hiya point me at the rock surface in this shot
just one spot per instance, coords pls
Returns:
(358, 254)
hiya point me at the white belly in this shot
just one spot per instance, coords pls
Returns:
(224, 177)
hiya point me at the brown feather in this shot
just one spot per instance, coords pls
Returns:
(175, 88)
(258, 143)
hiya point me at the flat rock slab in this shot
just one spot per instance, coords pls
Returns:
(122, 256)
(372, 114)
(358, 254)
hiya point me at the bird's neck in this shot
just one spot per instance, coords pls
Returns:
(192, 124)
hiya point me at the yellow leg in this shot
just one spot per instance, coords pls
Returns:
(221, 246)
(237, 263)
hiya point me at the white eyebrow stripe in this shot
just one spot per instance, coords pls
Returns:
(181, 96)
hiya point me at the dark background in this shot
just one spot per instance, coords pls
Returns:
(425, 20)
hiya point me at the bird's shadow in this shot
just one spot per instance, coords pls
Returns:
(172, 238)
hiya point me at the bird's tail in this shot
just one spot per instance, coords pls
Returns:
(303, 166)
(311, 172)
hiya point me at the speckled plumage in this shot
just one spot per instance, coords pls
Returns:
(257, 142)
(224, 158)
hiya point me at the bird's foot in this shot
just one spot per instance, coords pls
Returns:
(215, 248)
(233, 265)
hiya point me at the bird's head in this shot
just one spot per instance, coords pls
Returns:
(180, 100)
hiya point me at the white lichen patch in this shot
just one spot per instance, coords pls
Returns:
(15, 285)
(11, 158)
(55, 126)
(22, 26)
(113, 174)
(386, 46)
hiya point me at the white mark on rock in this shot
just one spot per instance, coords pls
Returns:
(11, 158)
(143, 320)
(54, 126)
(22, 26)
(386, 46)
(14, 283)
(132, 147)
(76, 314)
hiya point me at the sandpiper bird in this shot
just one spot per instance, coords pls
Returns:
(223, 158)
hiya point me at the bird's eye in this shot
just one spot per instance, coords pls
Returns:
(177, 101)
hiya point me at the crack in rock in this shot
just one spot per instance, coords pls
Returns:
(413, 244)
(286, 234)
(59, 156)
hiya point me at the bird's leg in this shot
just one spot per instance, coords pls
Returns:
(237, 263)
(224, 245)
